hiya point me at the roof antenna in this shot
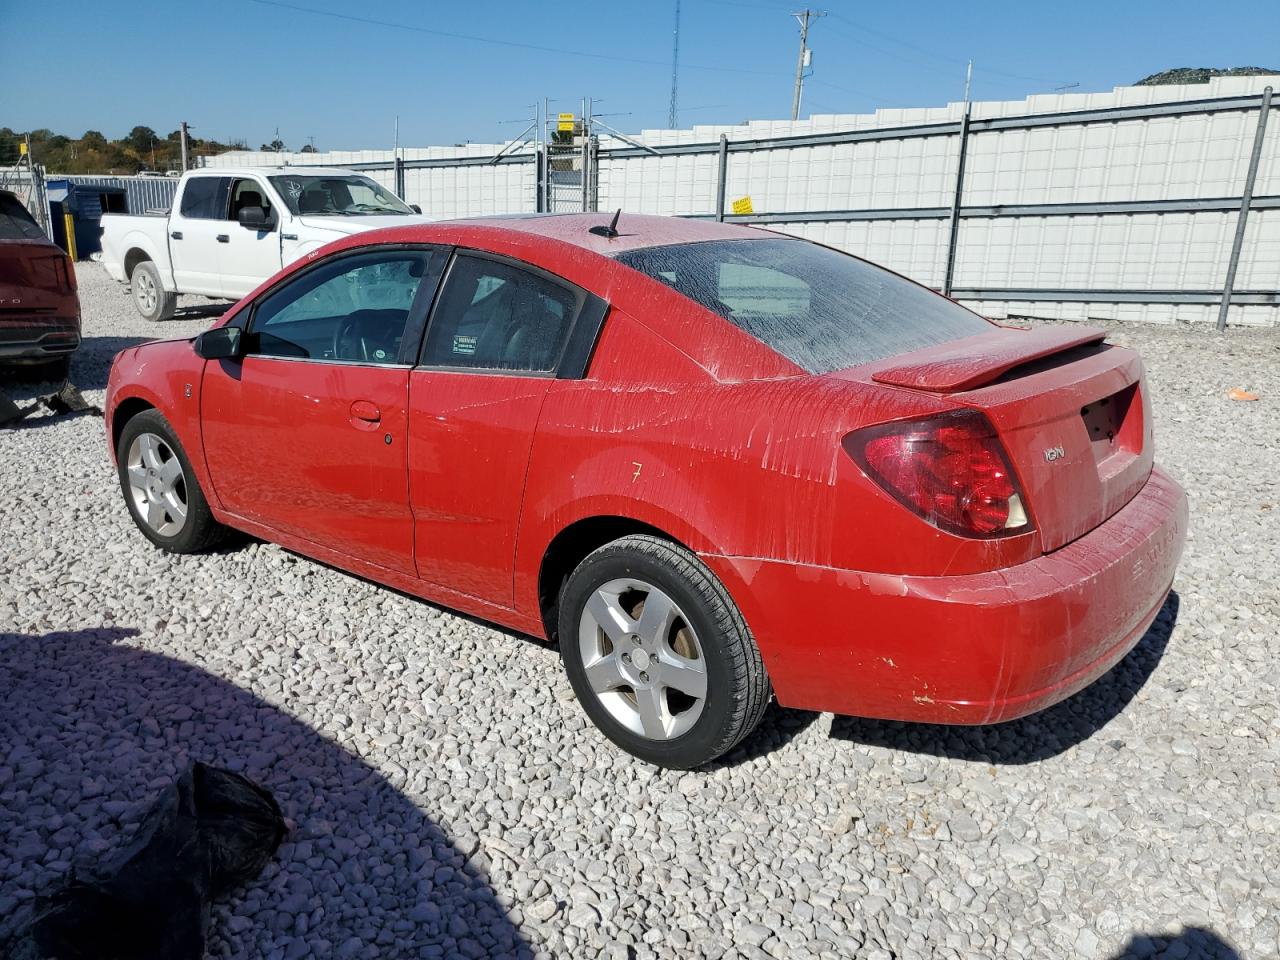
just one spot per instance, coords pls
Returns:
(611, 230)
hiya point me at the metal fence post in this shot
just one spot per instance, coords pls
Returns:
(540, 179)
(1228, 286)
(953, 236)
(722, 175)
(399, 178)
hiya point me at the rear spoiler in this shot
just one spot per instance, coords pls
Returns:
(974, 361)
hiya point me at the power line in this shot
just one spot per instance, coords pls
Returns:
(520, 45)
(934, 55)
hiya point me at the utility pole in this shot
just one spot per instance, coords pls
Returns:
(805, 58)
(182, 138)
(675, 71)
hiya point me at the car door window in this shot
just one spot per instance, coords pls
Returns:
(351, 309)
(205, 198)
(494, 315)
(247, 193)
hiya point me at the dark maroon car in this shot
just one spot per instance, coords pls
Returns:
(39, 308)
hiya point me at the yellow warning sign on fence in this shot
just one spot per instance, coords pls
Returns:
(566, 122)
(742, 206)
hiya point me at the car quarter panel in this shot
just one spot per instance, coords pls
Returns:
(753, 469)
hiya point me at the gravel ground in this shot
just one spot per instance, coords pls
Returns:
(450, 800)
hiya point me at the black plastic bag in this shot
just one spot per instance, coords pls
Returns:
(213, 830)
(66, 401)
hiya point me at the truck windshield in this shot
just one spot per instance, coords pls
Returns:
(820, 309)
(336, 195)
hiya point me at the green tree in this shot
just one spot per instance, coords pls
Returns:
(140, 140)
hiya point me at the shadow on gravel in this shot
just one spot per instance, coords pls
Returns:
(91, 364)
(1194, 943)
(777, 728)
(92, 729)
(1037, 737)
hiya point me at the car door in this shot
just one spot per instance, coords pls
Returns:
(194, 232)
(307, 432)
(249, 256)
(499, 333)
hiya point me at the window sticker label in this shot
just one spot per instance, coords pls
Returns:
(464, 345)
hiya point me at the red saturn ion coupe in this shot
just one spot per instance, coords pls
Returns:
(715, 463)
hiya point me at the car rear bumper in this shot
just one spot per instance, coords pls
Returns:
(979, 648)
(38, 338)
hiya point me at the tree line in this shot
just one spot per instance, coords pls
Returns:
(141, 149)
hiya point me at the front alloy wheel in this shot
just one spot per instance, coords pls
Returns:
(160, 488)
(157, 484)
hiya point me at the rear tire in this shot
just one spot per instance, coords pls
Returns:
(153, 301)
(678, 687)
(160, 488)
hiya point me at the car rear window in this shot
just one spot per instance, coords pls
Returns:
(15, 222)
(819, 308)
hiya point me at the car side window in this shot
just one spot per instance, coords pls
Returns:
(247, 193)
(205, 198)
(493, 315)
(352, 309)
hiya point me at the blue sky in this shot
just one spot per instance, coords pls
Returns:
(242, 68)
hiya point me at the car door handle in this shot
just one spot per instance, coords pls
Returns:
(223, 238)
(366, 411)
(176, 235)
(288, 236)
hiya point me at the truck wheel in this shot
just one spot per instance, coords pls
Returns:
(153, 301)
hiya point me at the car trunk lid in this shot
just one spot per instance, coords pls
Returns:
(1072, 412)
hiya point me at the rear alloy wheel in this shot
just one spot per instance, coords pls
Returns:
(153, 301)
(658, 654)
(160, 489)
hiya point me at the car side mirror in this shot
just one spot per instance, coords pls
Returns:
(255, 218)
(220, 343)
(415, 208)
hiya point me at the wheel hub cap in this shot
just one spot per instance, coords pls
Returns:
(643, 659)
(157, 484)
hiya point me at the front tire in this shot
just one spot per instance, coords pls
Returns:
(153, 301)
(658, 653)
(160, 488)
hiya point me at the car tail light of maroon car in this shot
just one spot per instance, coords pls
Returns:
(951, 470)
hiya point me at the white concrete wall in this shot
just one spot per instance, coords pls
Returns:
(1160, 158)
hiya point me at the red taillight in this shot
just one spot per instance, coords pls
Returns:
(951, 470)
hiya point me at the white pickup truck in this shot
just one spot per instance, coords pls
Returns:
(229, 230)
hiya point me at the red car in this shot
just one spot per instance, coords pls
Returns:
(715, 463)
(39, 307)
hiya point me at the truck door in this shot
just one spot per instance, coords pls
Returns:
(194, 232)
(249, 256)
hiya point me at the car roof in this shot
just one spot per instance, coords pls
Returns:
(635, 230)
(276, 171)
